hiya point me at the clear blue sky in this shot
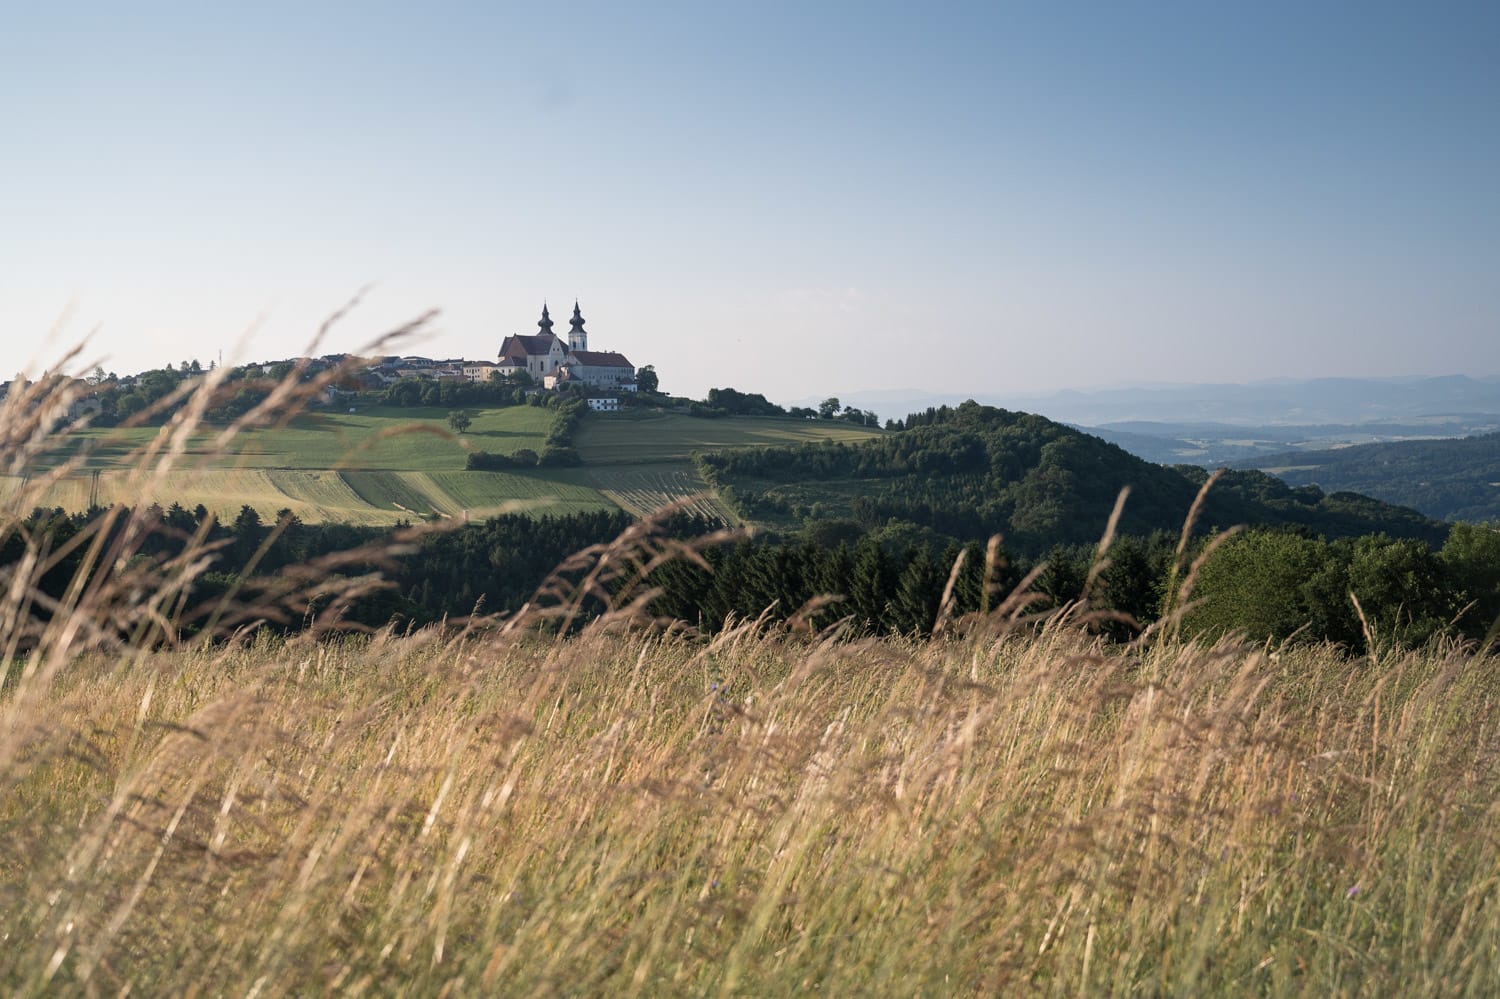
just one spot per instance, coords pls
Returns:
(799, 199)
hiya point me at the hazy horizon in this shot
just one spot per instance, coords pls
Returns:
(966, 198)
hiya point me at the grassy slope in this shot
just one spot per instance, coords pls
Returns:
(643, 460)
(415, 439)
(635, 815)
(631, 438)
(375, 466)
(385, 464)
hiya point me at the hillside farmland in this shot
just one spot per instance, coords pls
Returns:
(385, 464)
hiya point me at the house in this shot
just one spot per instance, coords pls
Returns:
(554, 363)
(603, 405)
(478, 371)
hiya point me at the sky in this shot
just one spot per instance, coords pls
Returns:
(797, 199)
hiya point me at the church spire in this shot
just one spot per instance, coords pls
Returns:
(546, 322)
(578, 337)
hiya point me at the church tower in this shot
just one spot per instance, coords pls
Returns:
(545, 324)
(578, 337)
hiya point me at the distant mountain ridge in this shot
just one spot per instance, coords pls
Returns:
(1215, 444)
(1280, 402)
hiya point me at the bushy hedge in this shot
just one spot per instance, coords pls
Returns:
(485, 461)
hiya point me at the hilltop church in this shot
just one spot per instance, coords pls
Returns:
(555, 364)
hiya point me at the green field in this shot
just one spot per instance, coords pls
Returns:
(643, 461)
(632, 438)
(416, 439)
(375, 466)
(357, 497)
(381, 465)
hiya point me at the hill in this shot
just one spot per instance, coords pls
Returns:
(1448, 479)
(974, 471)
(375, 466)
(382, 464)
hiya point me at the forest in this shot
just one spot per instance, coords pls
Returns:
(1273, 584)
(973, 471)
(495, 565)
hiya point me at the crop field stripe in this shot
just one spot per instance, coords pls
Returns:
(326, 491)
(382, 490)
(541, 492)
(433, 495)
(643, 489)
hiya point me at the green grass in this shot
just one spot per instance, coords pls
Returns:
(654, 438)
(385, 464)
(386, 491)
(398, 439)
(458, 493)
(540, 491)
(376, 466)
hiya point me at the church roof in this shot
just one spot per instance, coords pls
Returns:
(601, 358)
(522, 345)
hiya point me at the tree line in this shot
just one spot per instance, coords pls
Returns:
(496, 564)
(1271, 584)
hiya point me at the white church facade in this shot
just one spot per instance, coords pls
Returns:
(556, 363)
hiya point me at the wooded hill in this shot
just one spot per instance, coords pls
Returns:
(972, 471)
(1451, 479)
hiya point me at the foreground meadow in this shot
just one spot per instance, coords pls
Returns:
(634, 813)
